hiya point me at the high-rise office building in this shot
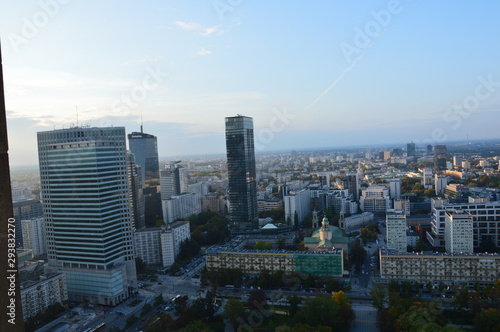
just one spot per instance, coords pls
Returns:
(135, 191)
(145, 149)
(241, 172)
(440, 156)
(172, 180)
(84, 187)
(352, 184)
(411, 150)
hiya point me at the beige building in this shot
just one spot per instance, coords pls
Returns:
(439, 267)
(37, 296)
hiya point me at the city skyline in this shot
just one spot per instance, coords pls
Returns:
(330, 74)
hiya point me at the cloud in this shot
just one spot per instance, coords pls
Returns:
(188, 26)
(203, 52)
(192, 26)
(209, 31)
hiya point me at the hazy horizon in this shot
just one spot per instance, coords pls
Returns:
(330, 73)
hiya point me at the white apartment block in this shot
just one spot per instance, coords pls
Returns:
(171, 239)
(427, 178)
(440, 183)
(37, 296)
(34, 235)
(147, 245)
(402, 204)
(180, 207)
(396, 230)
(375, 199)
(485, 221)
(439, 267)
(458, 232)
(300, 202)
(395, 188)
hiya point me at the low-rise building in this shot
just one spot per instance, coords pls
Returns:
(252, 262)
(439, 267)
(37, 296)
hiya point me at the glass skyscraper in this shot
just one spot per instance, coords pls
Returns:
(83, 173)
(241, 172)
(145, 149)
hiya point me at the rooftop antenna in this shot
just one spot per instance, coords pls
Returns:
(76, 116)
(141, 122)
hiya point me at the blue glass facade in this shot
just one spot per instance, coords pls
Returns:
(241, 172)
(86, 205)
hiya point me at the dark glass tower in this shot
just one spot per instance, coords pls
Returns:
(241, 172)
(145, 149)
(440, 157)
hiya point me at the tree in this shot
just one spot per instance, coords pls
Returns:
(257, 300)
(233, 310)
(379, 296)
(294, 302)
(131, 320)
(158, 300)
(488, 320)
(147, 308)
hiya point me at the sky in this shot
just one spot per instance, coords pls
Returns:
(312, 74)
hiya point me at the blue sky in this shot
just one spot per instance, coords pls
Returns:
(311, 74)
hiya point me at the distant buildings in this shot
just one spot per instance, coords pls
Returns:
(375, 199)
(83, 173)
(440, 183)
(34, 235)
(395, 188)
(297, 206)
(410, 150)
(356, 222)
(351, 183)
(25, 209)
(241, 172)
(440, 157)
(37, 296)
(181, 207)
(170, 181)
